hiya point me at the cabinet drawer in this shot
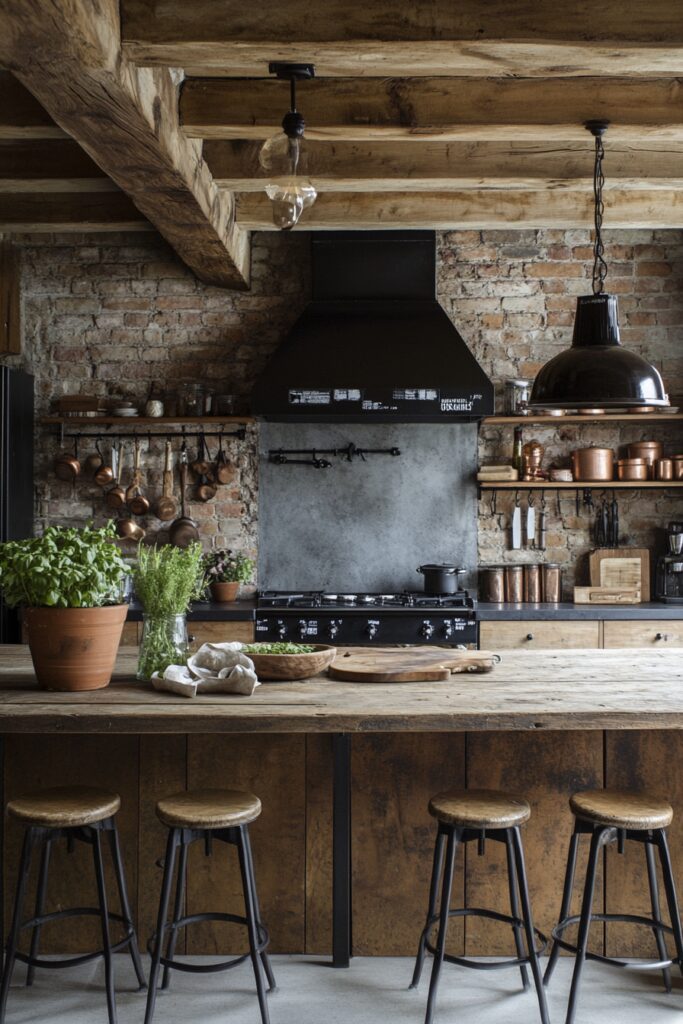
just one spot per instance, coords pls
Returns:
(529, 634)
(648, 633)
(131, 635)
(219, 632)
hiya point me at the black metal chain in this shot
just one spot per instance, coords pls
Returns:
(599, 264)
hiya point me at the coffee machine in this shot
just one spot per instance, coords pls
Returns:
(669, 581)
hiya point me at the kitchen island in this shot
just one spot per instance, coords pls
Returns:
(543, 723)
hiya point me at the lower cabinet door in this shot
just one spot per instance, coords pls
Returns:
(644, 633)
(530, 634)
(201, 632)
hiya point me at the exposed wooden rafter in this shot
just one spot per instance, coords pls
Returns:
(67, 53)
(475, 209)
(229, 37)
(438, 109)
(61, 211)
(49, 165)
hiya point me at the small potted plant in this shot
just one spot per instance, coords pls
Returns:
(225, 571)
(69, 582)
(166, 580)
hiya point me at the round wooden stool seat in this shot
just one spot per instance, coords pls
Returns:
(209, 808)
(65, 806)
(623, 809)
(479, 808)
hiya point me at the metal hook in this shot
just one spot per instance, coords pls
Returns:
(543, 501)
(531, 499)
(517, 499)
(494, 503)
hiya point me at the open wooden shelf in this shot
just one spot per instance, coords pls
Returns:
(625, 418)
(144, 421)
(579, 485)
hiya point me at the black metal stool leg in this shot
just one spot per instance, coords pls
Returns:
(433, 890)
(177, 913)
(40, 906)
(659, 836)
(514, 905)
(566, 900)
(656, 913)
(115, 848)
(250, 867)
(529, 924)
(250, 909)
(104, 917)
(584, 923)
(171, 845)
(446, 887)
(11, 948)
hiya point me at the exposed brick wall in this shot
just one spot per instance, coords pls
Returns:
(110, 314)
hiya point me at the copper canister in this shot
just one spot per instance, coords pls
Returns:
(678, 467)
(664, 469)
(551, 582)
(649, 450)
(532, 584)
(514, 584)
(493, 584)
(632, 469)
(593, 463)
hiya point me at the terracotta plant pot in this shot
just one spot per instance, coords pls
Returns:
(74, 648)
(224, 591)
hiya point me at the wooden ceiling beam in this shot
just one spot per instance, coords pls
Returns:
(101, 211)
(444, 109)
(49, 165)
(401, 37)
(21, 116)
(486, 210)
(67, 53)
(438, 166)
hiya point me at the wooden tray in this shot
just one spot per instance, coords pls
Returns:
(616, 568)
(408, 666)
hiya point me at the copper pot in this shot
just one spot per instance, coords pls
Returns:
(67, 467)
(648, 450)
(593, 463)
(632, 469)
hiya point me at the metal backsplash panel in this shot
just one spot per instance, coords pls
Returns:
(367, 525)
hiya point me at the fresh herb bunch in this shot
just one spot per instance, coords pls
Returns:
(65, 568)
(225, 566)
(168, 579)
(278, 648)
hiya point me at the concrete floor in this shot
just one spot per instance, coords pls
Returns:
(372, 991)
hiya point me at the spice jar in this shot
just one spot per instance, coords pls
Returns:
(532, 583)
(552, 582)
(514, 584)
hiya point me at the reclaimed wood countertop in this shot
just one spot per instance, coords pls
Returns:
(527, 690)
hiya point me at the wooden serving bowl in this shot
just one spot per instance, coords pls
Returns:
(280, 667)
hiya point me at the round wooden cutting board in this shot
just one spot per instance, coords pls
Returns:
(408, 665)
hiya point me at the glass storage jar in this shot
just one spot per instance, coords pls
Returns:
(164, 642)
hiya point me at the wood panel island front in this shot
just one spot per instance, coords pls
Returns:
(542, 723)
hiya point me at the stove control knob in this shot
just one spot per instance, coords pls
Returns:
(333, 629)
(427, 630)
(371, 629)
(303, 628)
(448, 630)
(281, 630)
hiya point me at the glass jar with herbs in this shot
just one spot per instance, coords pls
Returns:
(167, 580)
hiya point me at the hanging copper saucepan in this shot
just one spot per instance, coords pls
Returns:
(183, 531)
(67, 467)
(135, 499)
(106, 474)
(116, 497)
(94, 461)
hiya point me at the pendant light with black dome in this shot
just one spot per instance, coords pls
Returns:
(597, 371)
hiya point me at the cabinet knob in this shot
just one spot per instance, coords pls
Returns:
(662, 636)
(191, 638)
(529, 636)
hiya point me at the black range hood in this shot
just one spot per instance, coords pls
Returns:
(374, 345)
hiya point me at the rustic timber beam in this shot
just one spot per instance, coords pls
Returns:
(60, 211)
(10, 299)
(67, 52)
(229, 37)
(49, 165)
(438, 166)
(445, 109)
(21, 115)
(484, 209)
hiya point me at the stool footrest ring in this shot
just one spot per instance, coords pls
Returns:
(223, 965)
(79, 958)
(485, 965)
(646, 922)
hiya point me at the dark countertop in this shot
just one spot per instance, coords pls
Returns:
(208, 611)
(569, 610)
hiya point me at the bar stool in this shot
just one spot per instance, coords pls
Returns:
(77, 814)
(208, 814)
(465, 816)
(609, 816)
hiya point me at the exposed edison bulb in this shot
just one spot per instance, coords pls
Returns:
(290, 191)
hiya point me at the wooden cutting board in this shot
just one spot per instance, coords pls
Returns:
(621, 568)
(408, 666)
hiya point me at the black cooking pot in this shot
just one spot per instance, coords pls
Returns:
(441, 579)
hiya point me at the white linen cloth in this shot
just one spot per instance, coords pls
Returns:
(215, 668)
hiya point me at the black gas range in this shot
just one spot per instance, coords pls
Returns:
(406, 617)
